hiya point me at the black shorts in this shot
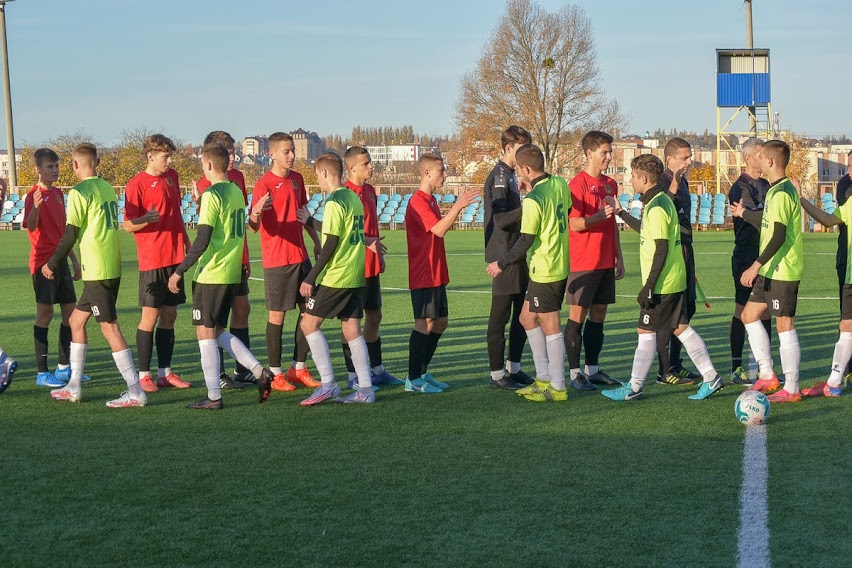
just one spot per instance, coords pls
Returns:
(546, 297)
(846, 302)
(60, 290)
(242, 288)
(513, 280)
(154, 288)
(281, 285)
(340, 303)
(591, 287)
(430, 303)
(665, 315)
(689, 295)
(373, 294)
(99, 297)
(211, 303)
(739, 264)
(779, 295)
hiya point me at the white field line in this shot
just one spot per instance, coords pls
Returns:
(753, 541)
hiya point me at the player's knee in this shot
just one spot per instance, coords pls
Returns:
(846, 325)
(440, 325)
(44, 315)
(597, 313)
(276, 318)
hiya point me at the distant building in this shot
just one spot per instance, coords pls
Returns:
(388, 154)
(255, 146)
(309, 146)
(4, 163)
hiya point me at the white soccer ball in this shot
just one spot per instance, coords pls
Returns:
(752, 408)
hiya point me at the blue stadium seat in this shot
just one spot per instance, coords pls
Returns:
(704, 217)
(312, 207)
(636, 212)
(318, 216)
(391, 206)
(14, 197)
(382, 197)
(449, 198)
(624, 200)
(830, 208)
(186, 219)
(466, 218)
(121, 217)
(706, 199)
(399, 218)
(718, 219)
(6, 218)
(480, 217)
(384, 219)
(406, 197)
(396, 197)
(317, 198)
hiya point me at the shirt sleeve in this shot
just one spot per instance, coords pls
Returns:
(576, 194)
(656, 223)
(428, 218)
(210, 208)
(28, 203)
(333, 220)
(75, 212)
(736, 193)
(133, 206)
(530, 217)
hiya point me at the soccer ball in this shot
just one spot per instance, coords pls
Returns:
(752, 408)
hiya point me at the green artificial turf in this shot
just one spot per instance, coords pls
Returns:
(470, 477)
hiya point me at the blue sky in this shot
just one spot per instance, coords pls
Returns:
(256, 66)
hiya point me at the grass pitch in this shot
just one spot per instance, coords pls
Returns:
(469, 477)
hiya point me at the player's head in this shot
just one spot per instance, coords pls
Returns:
(513, 138)
(358, 164)
(47, 165)
(84, 160)
(751, 154)
(158, 151)
(646, 170)
(597, 147)
(678, 153)
(282, 150)
(214, 161)
(225, 140)
(433, 174)
(329, 168)
(529, 162)
(774, 158)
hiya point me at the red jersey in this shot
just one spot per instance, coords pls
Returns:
(162, 243)
(281, 239)
(367, 194)
(238, 178)
(50, 228)
(427, 258)
(594, 248)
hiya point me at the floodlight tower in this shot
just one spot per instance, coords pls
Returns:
(10, 133)
(742, 89)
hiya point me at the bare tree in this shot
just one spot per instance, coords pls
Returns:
(539, 71)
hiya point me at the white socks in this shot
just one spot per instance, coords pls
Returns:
(758, 340)
(322, 358)
(77, 358)
(124, 364)
(643, 358)
(209, 349)
(240, 352)
(697, 351)
(513, 367)
(791, 356)
(842, 353)
(591, 369)
(538, 346)
(361, 362)
(556, 360)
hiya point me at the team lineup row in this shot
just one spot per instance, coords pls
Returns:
(557, 243)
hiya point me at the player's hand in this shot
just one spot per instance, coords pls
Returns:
(467, 197)
(646, 297)
(38, 198)
(174, 281)
(46, 272)
(493, 270)
(302, 214)
(678, 175)
(606, 211)
(524, 185)
(619, 267)
(247, 269)
(306, 289)
(798, 185)
(613, 202)
(196, 195)
(76, 274)
(749, 275)
(152, 216)
(317, 250)
(737, 209)
(382, 264)
(262, 205)
(376, 245)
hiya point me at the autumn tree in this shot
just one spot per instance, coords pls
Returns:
(705, 173)
(126, 159)
(538, 70)
(62, 145)
(799, 167)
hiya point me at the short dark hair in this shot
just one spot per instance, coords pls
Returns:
(594, 139)
(43, 155)
(331, 162)
(353, 152)
(674, 145)
(514, 135)
(530, 155)
(778, 150)
(221, 137)
(278, 137)
(217, 153)
(426, 159)
(86, 151)
(158, 143)
(649, 165)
